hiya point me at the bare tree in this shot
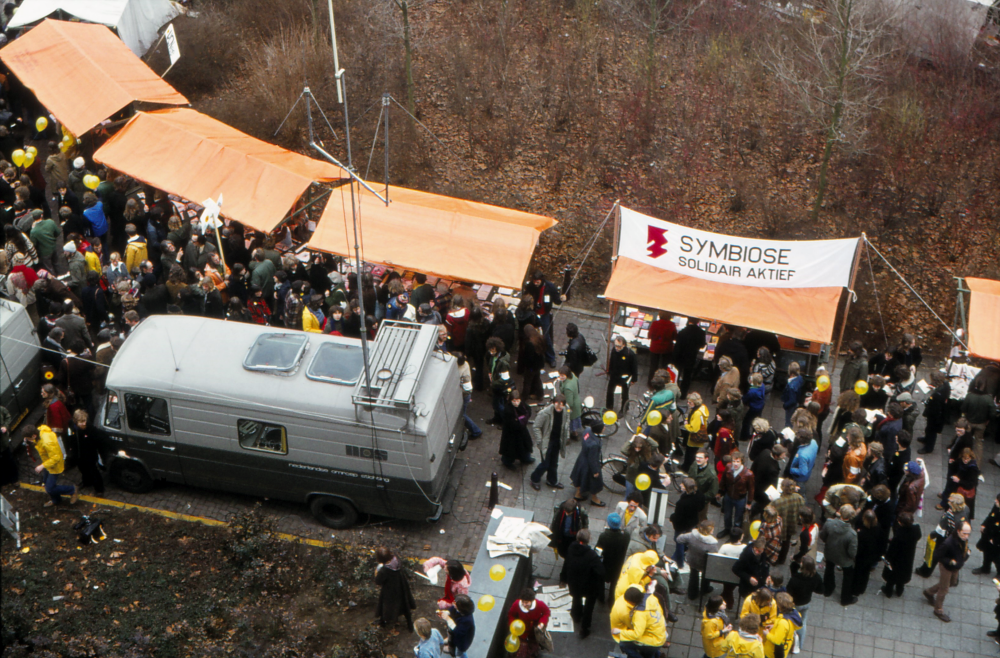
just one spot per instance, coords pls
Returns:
(833, 63)
(654, 18)
(404, 10)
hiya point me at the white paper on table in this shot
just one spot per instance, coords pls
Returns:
(505, 291)
(509, 528)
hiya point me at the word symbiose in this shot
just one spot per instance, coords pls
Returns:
(734, 253)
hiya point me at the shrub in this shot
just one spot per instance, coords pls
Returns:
(15, 620)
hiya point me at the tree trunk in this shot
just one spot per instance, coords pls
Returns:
(410, 104)
(843, 64)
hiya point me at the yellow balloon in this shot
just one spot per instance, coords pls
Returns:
(654, 417)
(29, 159)
(32, 150)
(512, 644)
(861, 387)
(486, 602)
(41, 123)
(17, 157)
(754, 529)
(610, 418)
(517, 628)
(642, 482)
(497, 572)
(822, 383)
(91, 181)
(64, 145)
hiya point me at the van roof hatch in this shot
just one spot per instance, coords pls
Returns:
(276, 352)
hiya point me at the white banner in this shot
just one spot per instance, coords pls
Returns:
(739, 261)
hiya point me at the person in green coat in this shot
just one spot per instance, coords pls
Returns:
(45, 235)
(569, 386)
(498, 372)
(703, 472)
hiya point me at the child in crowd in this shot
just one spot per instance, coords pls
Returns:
(431, 643)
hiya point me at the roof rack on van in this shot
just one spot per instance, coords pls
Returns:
(401, 350)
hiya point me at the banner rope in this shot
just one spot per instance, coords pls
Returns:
(907, 284)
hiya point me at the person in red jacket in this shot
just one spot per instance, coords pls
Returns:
(662, 334)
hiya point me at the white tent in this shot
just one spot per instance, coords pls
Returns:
(137, 21)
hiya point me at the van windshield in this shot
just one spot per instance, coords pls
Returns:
(276, 352)
(336, 363)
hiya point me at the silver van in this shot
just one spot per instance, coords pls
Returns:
(20, 361)
(286, 415)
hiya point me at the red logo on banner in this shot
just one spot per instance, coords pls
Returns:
(656, 241)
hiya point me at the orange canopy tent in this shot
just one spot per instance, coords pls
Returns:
(804, 313)
(984, 318)
(434, 234)
(194, 156)
(83, 73)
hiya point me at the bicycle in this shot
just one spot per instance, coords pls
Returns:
(634, 414)
(594, 419)
(616, 464)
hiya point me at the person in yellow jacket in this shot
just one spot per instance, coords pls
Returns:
(745, 643)
(638, 624)
(46, 444)
(715, 627)
(635, 571)
(696, 428)
(760, 603)
(779, 640)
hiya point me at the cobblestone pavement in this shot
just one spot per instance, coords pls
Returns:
(873, 628)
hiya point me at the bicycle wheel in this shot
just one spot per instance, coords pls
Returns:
(593, 419)
(609, 468)
(633, 415)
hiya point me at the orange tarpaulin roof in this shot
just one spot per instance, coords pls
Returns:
(434, 234)
(805, 313)
(984, 318)
(194, 156)
(83, 73)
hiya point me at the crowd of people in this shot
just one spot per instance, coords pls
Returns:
(89, 265)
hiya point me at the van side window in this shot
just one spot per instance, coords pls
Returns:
(112, 412)
(255, 435)
(146, 414)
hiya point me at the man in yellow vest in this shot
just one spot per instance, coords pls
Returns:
(46, 444)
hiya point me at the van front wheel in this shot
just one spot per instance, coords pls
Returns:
(131, 476)
(333, 512)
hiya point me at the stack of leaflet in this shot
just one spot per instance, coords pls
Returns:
(515, 536)
(559, 602)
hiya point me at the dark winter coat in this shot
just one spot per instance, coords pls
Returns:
(583, 571)
(689, 342)
(900, 553)
(576, 354)
(504, 330)
(936, 407)
(686, 513)
(990, 539)
(613, 545)
(840, 542)
(394, 598)
(855, 369)
(870, 548)
(565, 525)
(623, 364)
(952, 552)
(588, 462)
(515, 441)
(750, 565)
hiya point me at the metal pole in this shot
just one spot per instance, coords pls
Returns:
(847, 305)
(357, 242)
(309, 114)
(385, 104)
(333, 42)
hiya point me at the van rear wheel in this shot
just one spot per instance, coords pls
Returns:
(131, 476)
(333, 512)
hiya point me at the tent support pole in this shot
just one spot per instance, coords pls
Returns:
(959, 312)
(614, 261)
(847, 304)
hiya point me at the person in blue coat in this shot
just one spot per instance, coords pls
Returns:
(586, 475)
(94, 213)
(754, 399)
(461, 636)
(791, 396)
(805, 457)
